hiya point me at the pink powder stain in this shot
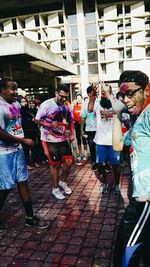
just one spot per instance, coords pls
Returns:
(123, 88)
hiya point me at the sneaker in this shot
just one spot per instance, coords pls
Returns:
(104, 188)
(116, 190)
(36, 222)
(65, 187)
(57, 193)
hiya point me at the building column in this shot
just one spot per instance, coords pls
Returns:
(82, 47)
(52, 86)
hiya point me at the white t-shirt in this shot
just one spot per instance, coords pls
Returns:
(10, 122)
(104, 118)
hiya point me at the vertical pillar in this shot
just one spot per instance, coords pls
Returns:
(52, 86)
(82, 47)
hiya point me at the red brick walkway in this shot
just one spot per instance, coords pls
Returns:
(81, 228)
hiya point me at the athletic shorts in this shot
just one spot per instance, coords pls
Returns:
(12, 169)
(57, 152)
(106, 153)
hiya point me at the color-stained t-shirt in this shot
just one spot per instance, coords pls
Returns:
(104, 119)
(138, 137)
(90, 117)
(10, 122)
(50, 111)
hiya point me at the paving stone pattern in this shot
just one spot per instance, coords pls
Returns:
(82, 228)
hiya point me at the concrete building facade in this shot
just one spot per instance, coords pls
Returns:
(102, 38)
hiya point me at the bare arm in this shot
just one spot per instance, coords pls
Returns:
(46, 124)
(117, 134)
(92, 100)
(11, 139)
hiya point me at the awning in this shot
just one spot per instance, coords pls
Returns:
(20, 48)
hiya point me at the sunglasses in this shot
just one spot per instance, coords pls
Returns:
(129, 93)
(62, 96)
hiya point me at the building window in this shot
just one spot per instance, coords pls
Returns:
(89, 10)
(127, 8)
(120, 25)
(147, 6)
(129, 53)
(102, 54)
(74, 31)
(92, 56)
(147, 23)
(75, 57)
(102, 41)
(63, 46)
(147, 37)
(91, 43)
(60, 17)
(121, 66)
(74, 44)
(128, 39)
(78, 69)
(128, 24)
(119, 10)
(120, 39)
(147, 51)
(14, 24)
(37, 21)
(103, 66)
(70, 10)
(121, 52)
(93, 69)
(101, 27)
(90, 29)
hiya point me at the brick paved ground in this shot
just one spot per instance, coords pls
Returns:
(81, 228)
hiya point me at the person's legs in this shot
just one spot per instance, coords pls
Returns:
(66, 165)
(54, 175)
(84, 141)
(92, 146)
(114, 158)
(146, 242)
(116, 171)
(24, 194)
(101, 159)
(31, 219)
(54, 155)
(3, 196)
(78, 137)
(129, 221)
(34, 149)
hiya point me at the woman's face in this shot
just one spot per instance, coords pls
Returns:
(23, 102)
(31, 104)
(79, 99)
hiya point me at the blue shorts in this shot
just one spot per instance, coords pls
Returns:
(106, 153)
(12, 169)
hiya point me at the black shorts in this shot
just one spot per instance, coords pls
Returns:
(57, 152)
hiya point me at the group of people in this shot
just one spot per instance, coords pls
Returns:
(101, 121)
